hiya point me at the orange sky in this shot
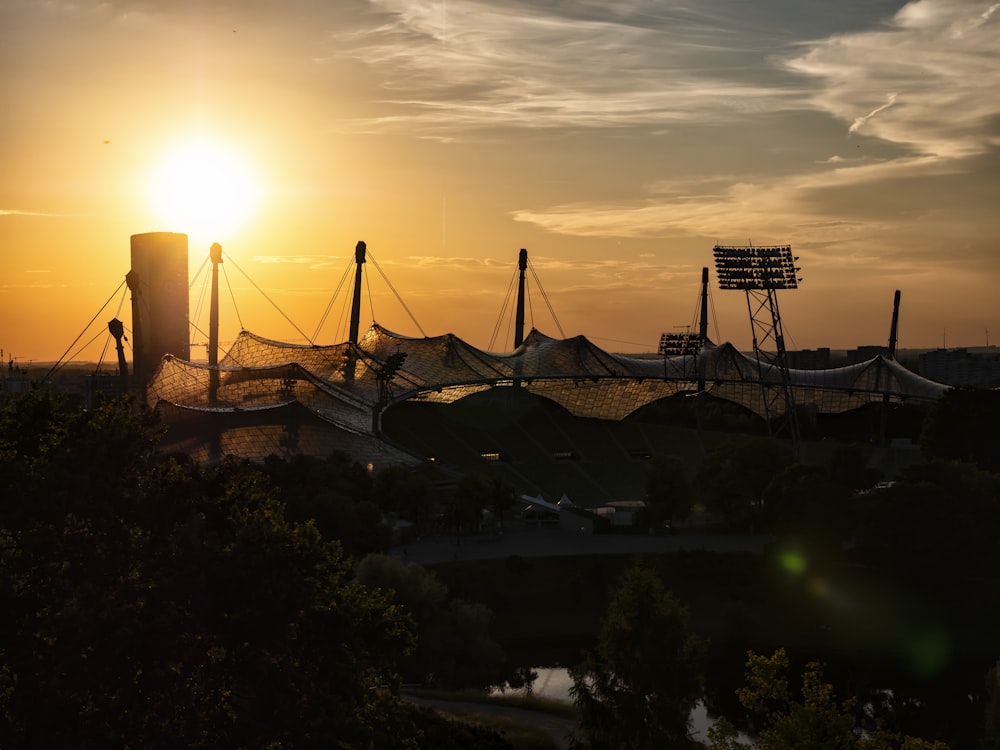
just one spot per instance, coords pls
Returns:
(617, 142)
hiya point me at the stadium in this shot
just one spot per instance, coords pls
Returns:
(363, 396)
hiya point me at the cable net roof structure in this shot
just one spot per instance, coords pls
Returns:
(277, 398)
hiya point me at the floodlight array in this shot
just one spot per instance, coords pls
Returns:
(679, 344)
(749, 267)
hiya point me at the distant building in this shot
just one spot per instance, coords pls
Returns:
(16, 382)
(962, 367)
(809, 359)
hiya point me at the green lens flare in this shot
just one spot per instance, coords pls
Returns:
(928, 652)
(793, 562)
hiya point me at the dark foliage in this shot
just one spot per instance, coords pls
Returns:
(962, 426)
(147, 603)
(637, 687)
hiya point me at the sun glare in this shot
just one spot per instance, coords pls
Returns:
(205, 189)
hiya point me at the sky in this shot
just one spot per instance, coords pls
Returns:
(616, 142)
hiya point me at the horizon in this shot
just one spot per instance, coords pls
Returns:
(618, 144)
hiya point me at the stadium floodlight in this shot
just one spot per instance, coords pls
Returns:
(760, 272)
(679, 344)
(749, 267)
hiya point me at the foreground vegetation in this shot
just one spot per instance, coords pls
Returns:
(151, 602)
(148, 602)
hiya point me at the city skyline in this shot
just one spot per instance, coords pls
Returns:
(617, 144)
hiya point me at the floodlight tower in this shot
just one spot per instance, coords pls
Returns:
(680, 345)
(760, 272)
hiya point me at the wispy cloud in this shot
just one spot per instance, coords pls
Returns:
(17, 212)
(859, 121)
(927, 79)
(312, 261)
(450, 66)
(911, 82)
(772, 207)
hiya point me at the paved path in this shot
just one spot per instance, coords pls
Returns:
(558, 728)
(548, 541)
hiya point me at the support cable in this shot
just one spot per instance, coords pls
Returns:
(389, 283)
(59, 361)
(107, 341)
(206, 285)
(531, 304)
(343, 323)
(503, 310)
(371, 303)
(329, 305)
(546, 298)
(232, 296)
(274, 305)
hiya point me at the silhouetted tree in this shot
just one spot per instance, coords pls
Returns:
(454, 648)
(401, 490)
(805, 505)
(500, 496)
(669, 495)
(938, 519)
(962, 426)
(636, 688)
(817, 721)
(148, 603)
(336, 493)
(733, 477)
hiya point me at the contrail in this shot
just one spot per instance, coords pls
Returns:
(859, 121)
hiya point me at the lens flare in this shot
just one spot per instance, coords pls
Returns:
(793, 562)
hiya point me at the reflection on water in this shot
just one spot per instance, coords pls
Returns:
(554, 683)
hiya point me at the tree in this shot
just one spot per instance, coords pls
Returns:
(149, 603)
(848, 468)
(471, 496)
(636, 688)
(805, 505)
(454, 648)
(962, 426)
(991, 735)
(669, 495)
(335, 492)
(734, 476)
(817, 721)
(402, 490)
(500, 496)
(938, 519)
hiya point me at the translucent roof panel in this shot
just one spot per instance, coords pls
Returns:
(347, 386)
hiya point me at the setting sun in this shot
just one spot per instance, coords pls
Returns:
(205, 189)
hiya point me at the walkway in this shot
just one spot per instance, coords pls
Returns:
(558, 728)
(547, 541)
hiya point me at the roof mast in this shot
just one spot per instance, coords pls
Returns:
(359, 259)
(522, 265)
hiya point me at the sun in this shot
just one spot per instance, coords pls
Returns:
(205, 189)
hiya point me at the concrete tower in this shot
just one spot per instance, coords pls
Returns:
(159, 284)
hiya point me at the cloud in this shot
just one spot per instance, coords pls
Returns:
(17, 212)
(926, 80)
(312, 261)
(928, 99)
(446, 66)
(773, 207)
(859, 121)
